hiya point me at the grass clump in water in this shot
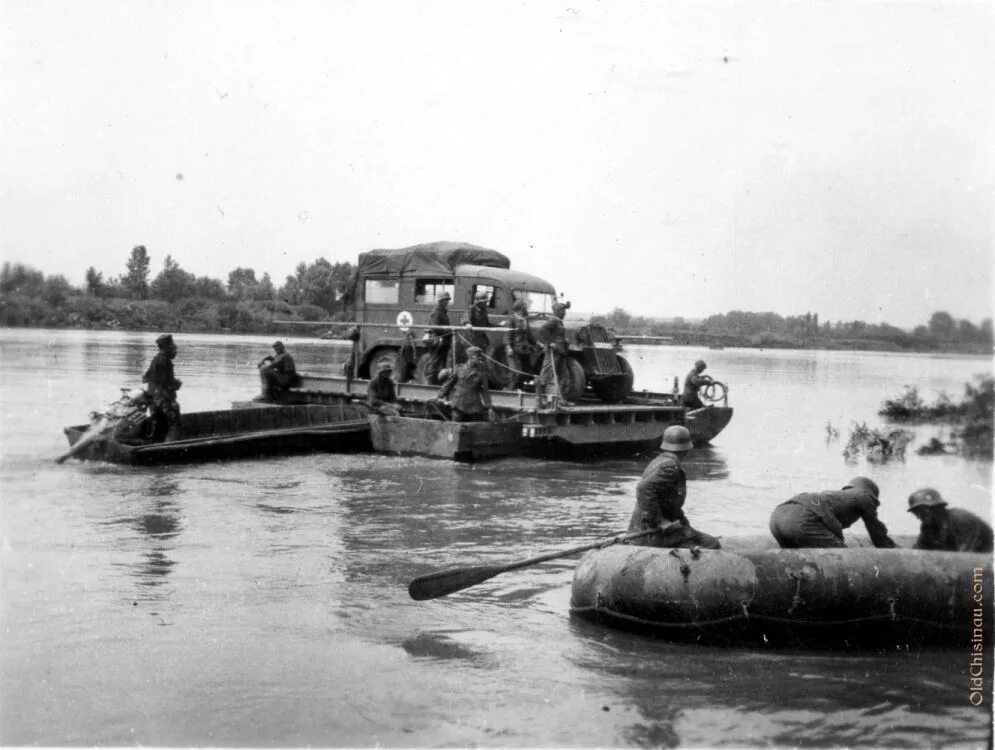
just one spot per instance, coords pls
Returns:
(875, 444)
(972, 419)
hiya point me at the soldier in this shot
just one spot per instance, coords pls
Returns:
(693, 382)
(519, 344)
(950, 529)
(817, 519)
(162, 388)
(480, 319)
(553, 337)
(470, 393)
(660, 497)
(441, 338)
(277, 373)
(381, 394)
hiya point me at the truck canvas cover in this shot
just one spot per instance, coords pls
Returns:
(432, 258)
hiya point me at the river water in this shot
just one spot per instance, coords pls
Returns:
(264, 602)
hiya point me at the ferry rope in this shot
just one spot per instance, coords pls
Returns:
(485, 356)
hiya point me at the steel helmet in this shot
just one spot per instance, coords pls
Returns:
(700, 364)
(480, 297)
(676, 438)
(862, 483)
(927, 497)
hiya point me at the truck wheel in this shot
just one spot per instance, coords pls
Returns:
(424, 373)
(615, 388)
(572, 389)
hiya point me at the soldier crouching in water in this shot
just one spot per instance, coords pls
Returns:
(660, 498)
(162, 388)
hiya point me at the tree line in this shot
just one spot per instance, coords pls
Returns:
(768, 329)
(175, 299)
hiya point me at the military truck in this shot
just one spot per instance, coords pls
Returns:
(397, 290)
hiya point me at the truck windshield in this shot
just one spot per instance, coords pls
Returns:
(538, 302)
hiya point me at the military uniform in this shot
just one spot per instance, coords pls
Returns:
(381, 391)
(440, 342)
(817, 519)
(277, 372)
(471, 397)
(518, 348)
(955, 530)
(553, 337)
(692, 383)
(162, 388)
(479, 319)
(660, 497)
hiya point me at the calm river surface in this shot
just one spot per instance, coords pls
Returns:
(264, 602)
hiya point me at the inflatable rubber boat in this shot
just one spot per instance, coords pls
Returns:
(754, 595)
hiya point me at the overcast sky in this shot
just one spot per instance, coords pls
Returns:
(671, 158)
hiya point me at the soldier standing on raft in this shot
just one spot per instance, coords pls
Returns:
(441, 338)
(660, 497)
(553, 337)
(518, 343)
(479, 319)
(162, 388)
(817, 519)
(693, 382)
(471, 398)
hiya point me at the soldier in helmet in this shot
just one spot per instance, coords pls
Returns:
(441, 337)
(162, 388)
(519, 343)
(381, 395)
(693, 382)
(480, 319)
(660, 498)
(277, 372)
(950, 529)
(553, 337)
(468, 388)
(817, 519)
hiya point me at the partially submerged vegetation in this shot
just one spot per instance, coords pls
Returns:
(875, 444)
(970, 422)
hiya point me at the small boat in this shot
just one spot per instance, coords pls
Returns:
(750, 594)
(235, 433)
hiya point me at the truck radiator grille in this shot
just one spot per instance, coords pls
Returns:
(600, 356)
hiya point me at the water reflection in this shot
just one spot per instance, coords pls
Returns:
(441, 647)
(158, 524)
(706, 464)
(686, 693)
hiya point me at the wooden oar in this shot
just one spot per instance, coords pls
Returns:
(444, 582)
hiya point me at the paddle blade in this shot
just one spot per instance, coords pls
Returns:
(445, 582)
